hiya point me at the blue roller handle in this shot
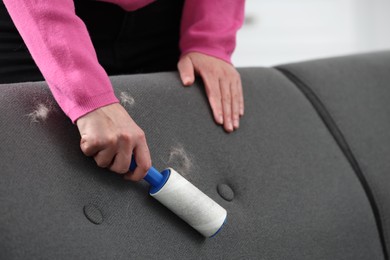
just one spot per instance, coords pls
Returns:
(153, 176)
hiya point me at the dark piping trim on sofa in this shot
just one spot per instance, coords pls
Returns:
(341, 141)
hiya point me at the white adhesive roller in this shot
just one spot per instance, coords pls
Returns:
(185, 200)
(191, 204)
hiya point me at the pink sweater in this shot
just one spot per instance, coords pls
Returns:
(62, 49)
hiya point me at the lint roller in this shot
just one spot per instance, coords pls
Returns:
(185, 200)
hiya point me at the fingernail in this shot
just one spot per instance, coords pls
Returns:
(187, 80)
(236, 123)
(230, 126)
(220, 119)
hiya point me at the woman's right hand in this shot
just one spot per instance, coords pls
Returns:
(110, 135)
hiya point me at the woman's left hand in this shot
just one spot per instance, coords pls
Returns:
(222, 83)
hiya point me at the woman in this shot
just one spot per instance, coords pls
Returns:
(75, 44)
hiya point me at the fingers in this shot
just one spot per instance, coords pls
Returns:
(226, 101)
(110, 136)
(121, 163)
(186, 70)
(142, 158)
(89, 146)
(105, 157)
(122, 160)
(214, 96)
(235, 105)
(233, 99)
(226, 104)
(241, 96)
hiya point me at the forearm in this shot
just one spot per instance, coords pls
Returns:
(210, 27)
(61, 47)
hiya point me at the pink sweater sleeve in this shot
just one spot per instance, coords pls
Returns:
(210, 27)
(62, 49)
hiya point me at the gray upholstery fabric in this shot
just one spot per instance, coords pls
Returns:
(295, 196)
(356, 92)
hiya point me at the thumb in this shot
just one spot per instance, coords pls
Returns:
(186, 70)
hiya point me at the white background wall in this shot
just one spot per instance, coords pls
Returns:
(282, 31)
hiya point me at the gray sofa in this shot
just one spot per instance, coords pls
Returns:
(307, 175)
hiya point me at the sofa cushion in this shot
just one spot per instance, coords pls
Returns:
(288, 189)
(353, 94)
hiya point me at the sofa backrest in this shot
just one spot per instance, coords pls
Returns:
(352, 95)
(288, 188)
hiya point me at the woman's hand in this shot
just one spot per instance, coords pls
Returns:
(110, 135)
(222, 83)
